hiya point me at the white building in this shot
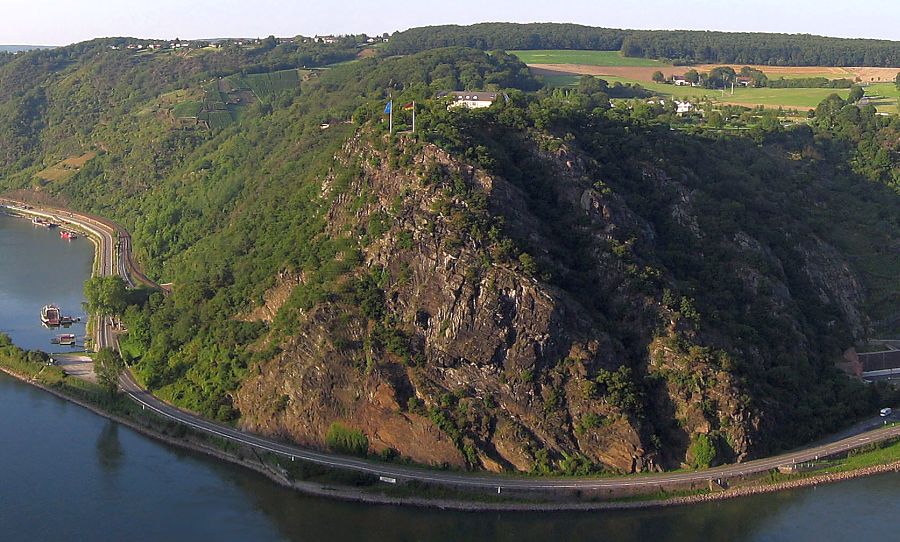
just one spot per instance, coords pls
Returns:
(472, 100)
(683, 107)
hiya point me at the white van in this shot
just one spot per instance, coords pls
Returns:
(885, 412)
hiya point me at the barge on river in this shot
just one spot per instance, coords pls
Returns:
(66, 339)
(50, 315)
(38, 221)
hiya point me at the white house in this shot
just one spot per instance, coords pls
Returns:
(679, 80)
(683, 107)
(472, 100)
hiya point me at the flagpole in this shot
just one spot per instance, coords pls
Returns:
(391, 116)
(414, 116)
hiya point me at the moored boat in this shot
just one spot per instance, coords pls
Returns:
(66, 339)
(68, 320)
(50, 315)
(68, 234)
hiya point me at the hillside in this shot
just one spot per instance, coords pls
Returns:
(21, 48)
(683, 46)
(547, 285)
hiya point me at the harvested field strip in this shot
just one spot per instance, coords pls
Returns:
(595, 63)
(587, 58)
(66, 168)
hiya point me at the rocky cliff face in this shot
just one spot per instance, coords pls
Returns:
(482, 355)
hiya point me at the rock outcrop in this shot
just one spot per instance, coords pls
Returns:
(483, 355)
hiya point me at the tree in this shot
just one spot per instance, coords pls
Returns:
(108, 366)
(269, 43)
(692, 77)
(715, 120)
(720, 76)
(897, 81)
(658, 77)
(105, 295)
(856, 94)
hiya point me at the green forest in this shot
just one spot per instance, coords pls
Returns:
(719, 281)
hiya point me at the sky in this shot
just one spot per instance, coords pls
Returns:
(60, 22)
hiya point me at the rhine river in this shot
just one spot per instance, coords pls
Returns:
(68, 474)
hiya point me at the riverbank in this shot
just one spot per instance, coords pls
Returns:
(366, 490)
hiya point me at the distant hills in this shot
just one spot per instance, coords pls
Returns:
(20, 48)
(679, 46)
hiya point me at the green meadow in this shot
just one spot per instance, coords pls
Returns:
(586, 58)
(884, 96)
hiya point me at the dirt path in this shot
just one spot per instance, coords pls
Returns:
(77, 365)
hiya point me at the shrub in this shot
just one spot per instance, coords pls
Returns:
(345, 440)
(702, 451)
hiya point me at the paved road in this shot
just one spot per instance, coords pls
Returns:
(401, 473)
(111, 262)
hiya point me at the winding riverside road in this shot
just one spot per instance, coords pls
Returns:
(114, 251)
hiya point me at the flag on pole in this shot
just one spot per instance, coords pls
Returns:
(410, 105)
(389, 107)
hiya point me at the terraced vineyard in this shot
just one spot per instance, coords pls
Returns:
(265, 85)
(224, 99)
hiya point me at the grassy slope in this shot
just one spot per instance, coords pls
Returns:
(885, 97)
(587, 58)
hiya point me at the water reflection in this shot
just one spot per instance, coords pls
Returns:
(812, 513)
(109, 449)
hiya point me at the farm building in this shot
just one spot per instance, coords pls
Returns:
(679, 80)
(683, 107)
(745, 81)
(472, 100)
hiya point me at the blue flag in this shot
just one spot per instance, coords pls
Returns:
(388, 107)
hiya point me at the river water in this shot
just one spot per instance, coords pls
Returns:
(68, 474)
(37, 268)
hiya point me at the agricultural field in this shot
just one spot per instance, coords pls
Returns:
(66, 168)
(265, 85)
(884, 96)
(188, 109)
(788, 98)
(641, 69)
(584, 58)
(220, 103)
(563, 68)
